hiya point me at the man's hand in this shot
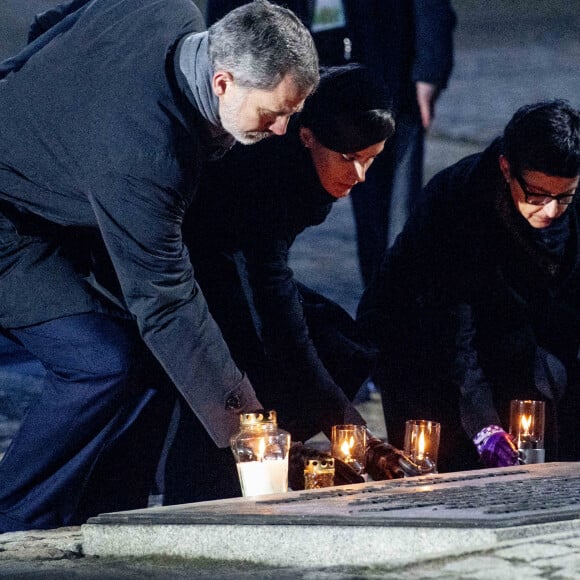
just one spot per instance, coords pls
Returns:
(299, 453)
(496, 448)
(427, 94)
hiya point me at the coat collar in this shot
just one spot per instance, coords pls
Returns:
(194, 74)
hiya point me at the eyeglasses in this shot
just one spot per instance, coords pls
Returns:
(544, 198)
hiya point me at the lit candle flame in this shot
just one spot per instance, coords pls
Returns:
(346, 447)
(421, 446)
(526, 422)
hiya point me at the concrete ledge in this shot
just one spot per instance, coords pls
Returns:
(308, 546)
(376, 523)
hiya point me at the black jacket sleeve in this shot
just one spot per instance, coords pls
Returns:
(157, 282)
(43, 30)
(434, 24)
(476, 403)
(311, 389)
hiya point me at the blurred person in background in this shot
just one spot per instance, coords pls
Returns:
(409, 45)
(326, 20)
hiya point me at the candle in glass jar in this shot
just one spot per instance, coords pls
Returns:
(348, 443)
(319, 472)
(261, 452)
(422, 443)
(261, 477)
(527, 429)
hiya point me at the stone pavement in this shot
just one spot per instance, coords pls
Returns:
(507, 54)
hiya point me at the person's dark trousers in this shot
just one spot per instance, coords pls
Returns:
(90, 443)
(195, 468)
(382, 203)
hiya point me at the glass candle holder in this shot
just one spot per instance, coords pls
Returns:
(261, 451)
(318, 473)
(348, 443)
(527, 423)
(422, 443)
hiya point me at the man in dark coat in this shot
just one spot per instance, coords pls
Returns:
(106, 119)
(300, 350)
(478, 301)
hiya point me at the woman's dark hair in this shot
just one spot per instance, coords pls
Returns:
(544, 137)
(349, 111)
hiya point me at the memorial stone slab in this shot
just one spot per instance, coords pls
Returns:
(383, 523)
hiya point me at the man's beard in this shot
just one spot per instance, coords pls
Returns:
(229, 115)
(251, 137)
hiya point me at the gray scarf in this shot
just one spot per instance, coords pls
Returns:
(193, 62)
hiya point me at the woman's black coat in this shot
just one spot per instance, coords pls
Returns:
(469, 312)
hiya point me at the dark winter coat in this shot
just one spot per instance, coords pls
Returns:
(102, 140)
(468, 309)
(252, 204)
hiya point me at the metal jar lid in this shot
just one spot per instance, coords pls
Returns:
(258, 417)
(319, 465)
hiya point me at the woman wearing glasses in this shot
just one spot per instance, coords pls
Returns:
(478, 302)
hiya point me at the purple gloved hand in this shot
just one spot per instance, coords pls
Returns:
(496, 448)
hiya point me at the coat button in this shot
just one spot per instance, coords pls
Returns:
(233, 402)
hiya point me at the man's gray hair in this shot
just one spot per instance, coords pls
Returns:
(259, 43)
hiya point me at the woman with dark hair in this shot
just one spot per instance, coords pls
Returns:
(478, 301)
(300, 350)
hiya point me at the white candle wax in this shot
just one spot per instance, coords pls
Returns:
(261, 477)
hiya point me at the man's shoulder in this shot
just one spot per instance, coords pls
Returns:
(152, 11)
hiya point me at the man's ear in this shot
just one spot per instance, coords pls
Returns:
(504, 166)
(307, 137)
(220, 81)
